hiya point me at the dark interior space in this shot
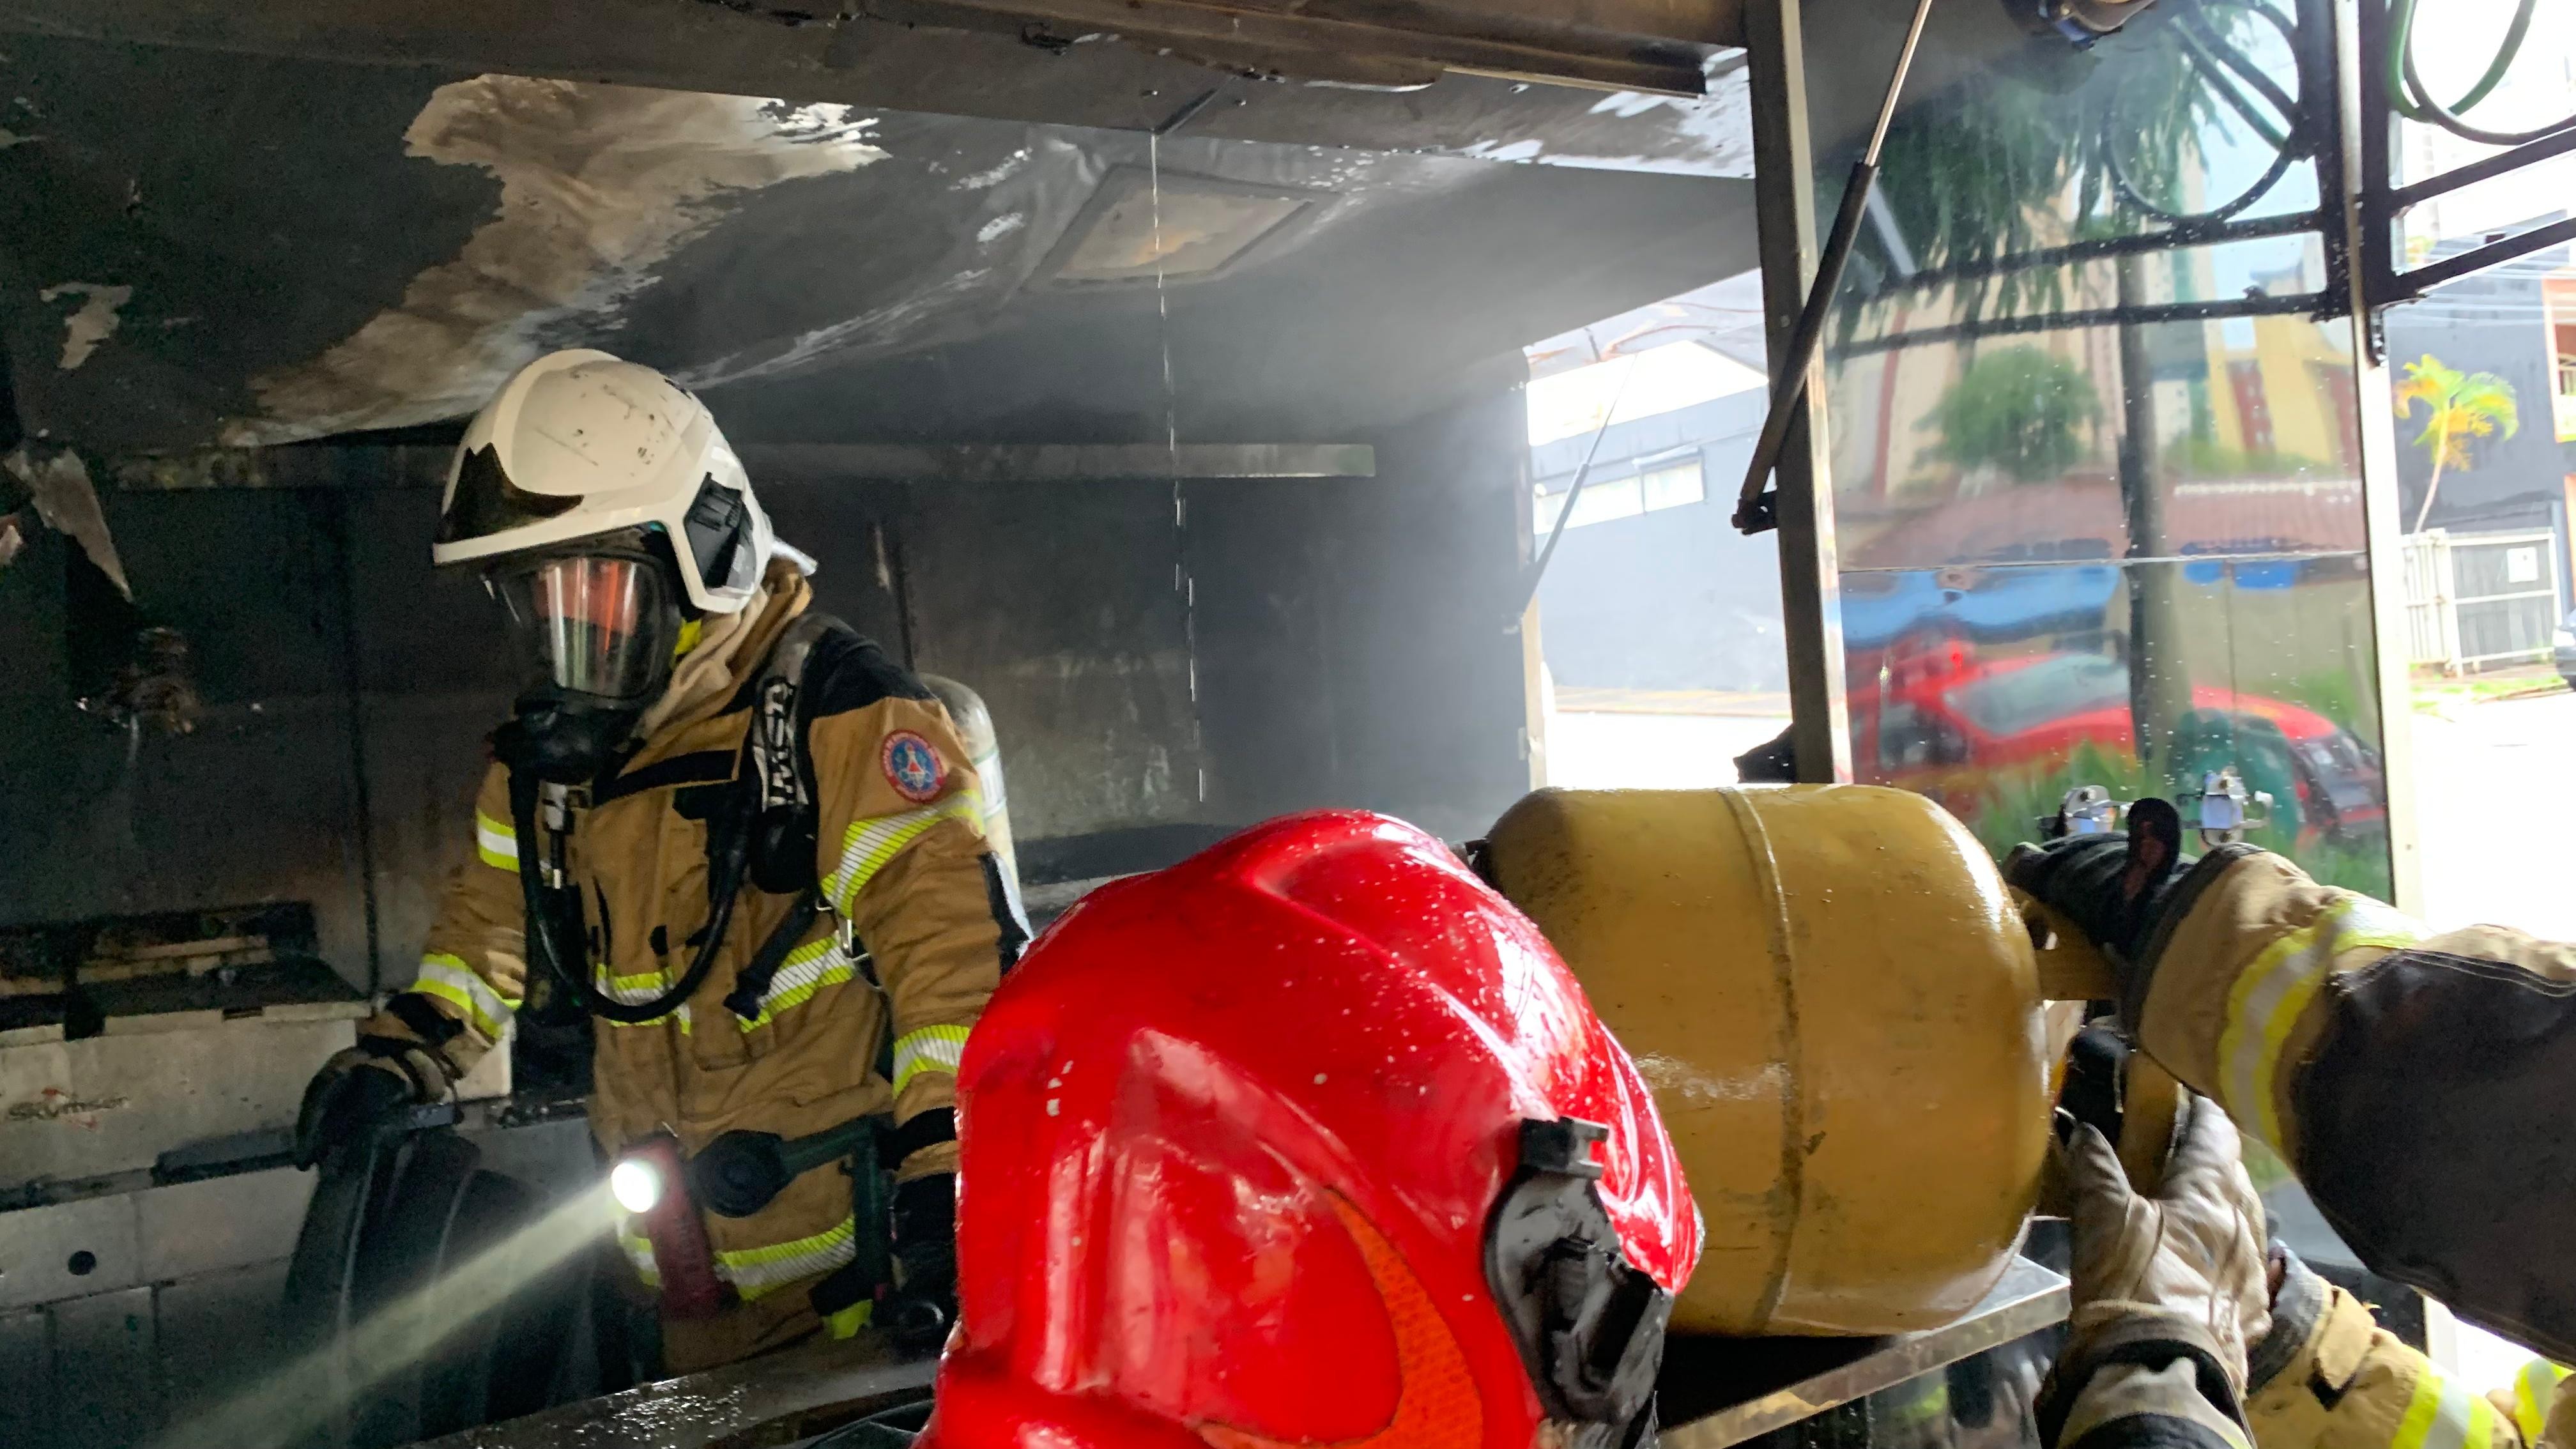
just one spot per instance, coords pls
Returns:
(1163, 661)
(1176, 411)
(204, 250)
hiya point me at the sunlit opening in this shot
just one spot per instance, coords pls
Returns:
(1661, 379)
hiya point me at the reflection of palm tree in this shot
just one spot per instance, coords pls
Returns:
(2460, 406)
(1989, 173)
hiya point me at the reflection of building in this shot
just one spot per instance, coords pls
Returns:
(2286, 400)
(2261, 411)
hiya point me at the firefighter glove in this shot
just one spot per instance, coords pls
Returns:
(2098, 883)
(924, 1302)
(2183, 1265)
(362, 1088)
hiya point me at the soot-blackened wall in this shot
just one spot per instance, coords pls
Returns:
(1158, 674)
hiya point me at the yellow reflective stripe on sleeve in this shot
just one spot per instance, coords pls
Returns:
(868, 844)
(930, 1049)
(756, 1271)
(496, 843)
(639, 1252)
(2443, 1415)
(2534, 1390)
(850, 1320)
(450, 980)
(809, 968)
(2270, 994)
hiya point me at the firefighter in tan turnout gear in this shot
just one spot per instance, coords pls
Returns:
(2187, 1334)
(2423, 1088)
(747, 841)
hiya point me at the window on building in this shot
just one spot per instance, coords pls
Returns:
(1668, 485)
(1673, 485)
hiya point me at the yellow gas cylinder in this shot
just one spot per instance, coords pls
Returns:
(1836, 1004)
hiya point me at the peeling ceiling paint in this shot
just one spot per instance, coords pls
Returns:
(59, 483)
(328, 249)
(94, 322)
(1700, 136)
(598, 183)
(995, 175)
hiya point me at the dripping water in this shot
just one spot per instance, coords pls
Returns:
(1182, 582)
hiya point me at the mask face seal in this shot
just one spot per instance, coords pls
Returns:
(1589, 1324)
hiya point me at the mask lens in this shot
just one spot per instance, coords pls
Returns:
(599, 625)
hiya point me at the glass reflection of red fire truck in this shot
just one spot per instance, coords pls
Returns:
(1945, 721)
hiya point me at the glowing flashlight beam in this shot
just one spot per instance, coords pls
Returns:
(636, 1184)
(311, 1393)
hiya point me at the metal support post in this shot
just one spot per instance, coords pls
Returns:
(1784, 183)
(2347, 170)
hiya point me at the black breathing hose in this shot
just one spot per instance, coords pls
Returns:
(726, 873)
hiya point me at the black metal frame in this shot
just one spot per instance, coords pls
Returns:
(2383, 203)
(2314, 136)
(2311, 137)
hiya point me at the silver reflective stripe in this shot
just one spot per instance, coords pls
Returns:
(450, 980)
(495, 842)
(755, 1271)
(868, 845)
(930, 1049)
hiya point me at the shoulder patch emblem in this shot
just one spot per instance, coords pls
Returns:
(913, 766)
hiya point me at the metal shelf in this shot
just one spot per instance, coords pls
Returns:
(1721, 1391)
(1715, 1391)
(776, 1398)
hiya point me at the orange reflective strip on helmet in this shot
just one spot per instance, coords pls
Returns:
(1436, 1404)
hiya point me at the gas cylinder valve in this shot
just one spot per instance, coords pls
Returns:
(2086, 810)
(2228, 810)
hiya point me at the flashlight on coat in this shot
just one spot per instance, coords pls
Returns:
(648, 1182)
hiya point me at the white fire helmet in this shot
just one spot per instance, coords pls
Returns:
(578, 444)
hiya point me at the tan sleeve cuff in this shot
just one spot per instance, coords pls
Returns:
(930, 1161)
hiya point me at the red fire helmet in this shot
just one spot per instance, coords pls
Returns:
(1309, 1140)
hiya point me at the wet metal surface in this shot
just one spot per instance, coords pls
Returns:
(799, 1391)
(1717, 1392)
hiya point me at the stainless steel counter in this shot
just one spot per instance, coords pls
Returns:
(1716, 1392)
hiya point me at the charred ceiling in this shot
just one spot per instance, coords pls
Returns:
(1433, 74)
(209, 247)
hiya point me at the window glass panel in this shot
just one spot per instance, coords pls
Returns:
(1609, 498)
(1674, 485)
(2097, 473)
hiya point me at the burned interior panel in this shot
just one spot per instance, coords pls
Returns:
(1199, 452)
(351, 248)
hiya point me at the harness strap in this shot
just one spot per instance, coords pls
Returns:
(753, 982)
